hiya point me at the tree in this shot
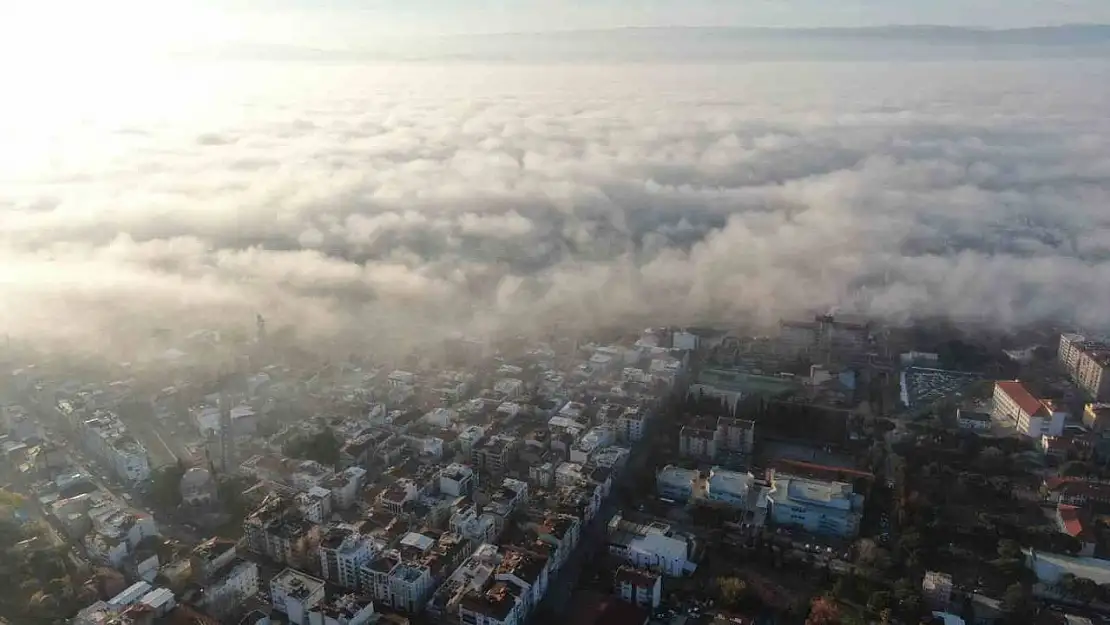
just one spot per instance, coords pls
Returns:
(733, 592)
(165, 485)
(1104, 593)
(9, 499)
(1076, 469)
(991, 459)
(1067, 584)
(823, 611)
(1085, 590)
(322, 447)
(1015, 601)
(1008, 549)
(879, 601)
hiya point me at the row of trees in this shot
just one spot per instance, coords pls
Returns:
(35, 580)
(323, 447)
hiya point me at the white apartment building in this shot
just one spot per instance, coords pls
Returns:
(527, 571)
(401, 379)
(494, 586)
(343, 610)
(1070, 346)
(676, 483)
(501, 604)
(593, 440)
(116, 532)
(561, 531)
(401, 585)
(1087, 363)
(639, 587)
(736, 435)
(398, 495)
(231, 586)
(107, 438)
(343, 552)
(456, 480)
(611, 457)
(654, 547)
(315, 504)
(698, 442)
(729, 488)
(508, 388)
(473, 524)
(1031, 416)
(819, 507)
(631, 424)
(211, 556)
(473, 574)
(296, 594)
(345, 487)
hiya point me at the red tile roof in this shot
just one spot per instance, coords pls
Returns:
(1073, 521)
(820, 471)
(1023, 398)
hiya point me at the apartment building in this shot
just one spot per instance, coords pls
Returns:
(676, 483)
(1097, 416)
(399, 495)
(936, 588)
(1031, 416)
(817, 506)
(695, 442)
(736, 435)
(279, 530)
(211, 556)
(593, 440)
(345, 487)
(296, 594)
(500, 604)
(729, 488)
(475, 524)
(639, 586)
(492, 455)
(631, 425)
(343, 552)
(227, 588)
(106, 437)
(494, 586)
(456, 480)
(314, 504)
(404, 578)
(1086, 363)
(560, 531)
(343, 610)
(116, 532)
(654, 546)
(474, 574)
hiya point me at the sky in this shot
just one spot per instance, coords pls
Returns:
(126, 27)
(375, 206)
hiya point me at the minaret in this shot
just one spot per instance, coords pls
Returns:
(225, 431)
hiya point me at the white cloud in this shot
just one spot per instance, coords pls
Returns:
(405, 201)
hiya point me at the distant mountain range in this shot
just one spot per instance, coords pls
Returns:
(1054, 35)
(709, 44)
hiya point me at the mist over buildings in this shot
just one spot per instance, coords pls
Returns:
(377, 206)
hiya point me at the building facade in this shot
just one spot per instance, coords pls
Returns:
(817, 506)
(1032, 417)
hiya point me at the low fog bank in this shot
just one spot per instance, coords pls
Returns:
(375, 208)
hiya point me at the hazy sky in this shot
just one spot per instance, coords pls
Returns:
(135, 25)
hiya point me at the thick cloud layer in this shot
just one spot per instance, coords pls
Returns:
(373, 207)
